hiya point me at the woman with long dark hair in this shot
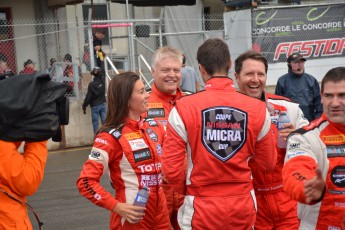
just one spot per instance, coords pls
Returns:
(129, 148)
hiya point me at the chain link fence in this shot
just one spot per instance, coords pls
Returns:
(63, 48)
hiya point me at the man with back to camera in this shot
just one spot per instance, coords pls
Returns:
(166, 72)
(313, 172)
(300, 87)
(189, 80)
(95, 97)
(221, 130)
(276, 210)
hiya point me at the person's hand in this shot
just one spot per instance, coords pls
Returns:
(133, 214)
(313, 188)
(287, 129)
(84, 109)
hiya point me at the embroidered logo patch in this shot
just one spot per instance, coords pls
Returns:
(338, 176)
(95, 154)
(143, 154)
(153, 136)
(223, 131)
(156, 112)
(137, 144)
(131, 136)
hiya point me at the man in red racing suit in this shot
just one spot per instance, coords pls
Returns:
(131, 153)
(221, 130)
(314, 169)
(166, 72)
(276, 210)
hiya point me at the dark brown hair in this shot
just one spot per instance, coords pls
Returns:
(119, 92)
(214, 56)
(335, 75)
(250, 54)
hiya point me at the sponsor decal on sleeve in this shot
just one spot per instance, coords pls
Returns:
(293, 146)
(294, 154)
(223, 131)
(102, 141)
(116, 134)
(95, 154)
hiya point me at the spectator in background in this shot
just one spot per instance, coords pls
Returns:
(29, 67)
(221, 130)
(128, 148)
(97, 46)
(276, 210)
(95, 97)
(69, 72)
(313, 172)
(55, 70)
(300, 87)
(3, 64)
(51, 64)
(189, 80)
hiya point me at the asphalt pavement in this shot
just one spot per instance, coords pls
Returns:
(58, 202)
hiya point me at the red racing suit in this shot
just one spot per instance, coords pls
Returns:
(221, 130)
(276, 210)
(160, 105)
(320, 144)
(131, 154)
(20, 176)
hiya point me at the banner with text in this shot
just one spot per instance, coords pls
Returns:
(314, 31)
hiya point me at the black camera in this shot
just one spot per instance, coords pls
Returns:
(32, 108)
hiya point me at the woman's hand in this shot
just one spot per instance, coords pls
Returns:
(133, 214)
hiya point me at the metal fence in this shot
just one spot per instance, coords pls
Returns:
(50, 41)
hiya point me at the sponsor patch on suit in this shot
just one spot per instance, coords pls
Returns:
(224, 131)
(156, 112)
(141, 155)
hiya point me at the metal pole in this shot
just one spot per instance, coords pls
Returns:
(110, 30)
(91, 48)
(129, 32)
(160, 26)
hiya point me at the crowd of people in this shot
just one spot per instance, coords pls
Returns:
(209, 158)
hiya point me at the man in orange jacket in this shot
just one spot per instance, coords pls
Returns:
(20, 176)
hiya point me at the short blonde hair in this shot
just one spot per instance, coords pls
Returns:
(166, 52)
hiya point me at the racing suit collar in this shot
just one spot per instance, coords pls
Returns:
(220, 83)
(134, 123)
(339, 126)
(167, 97)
